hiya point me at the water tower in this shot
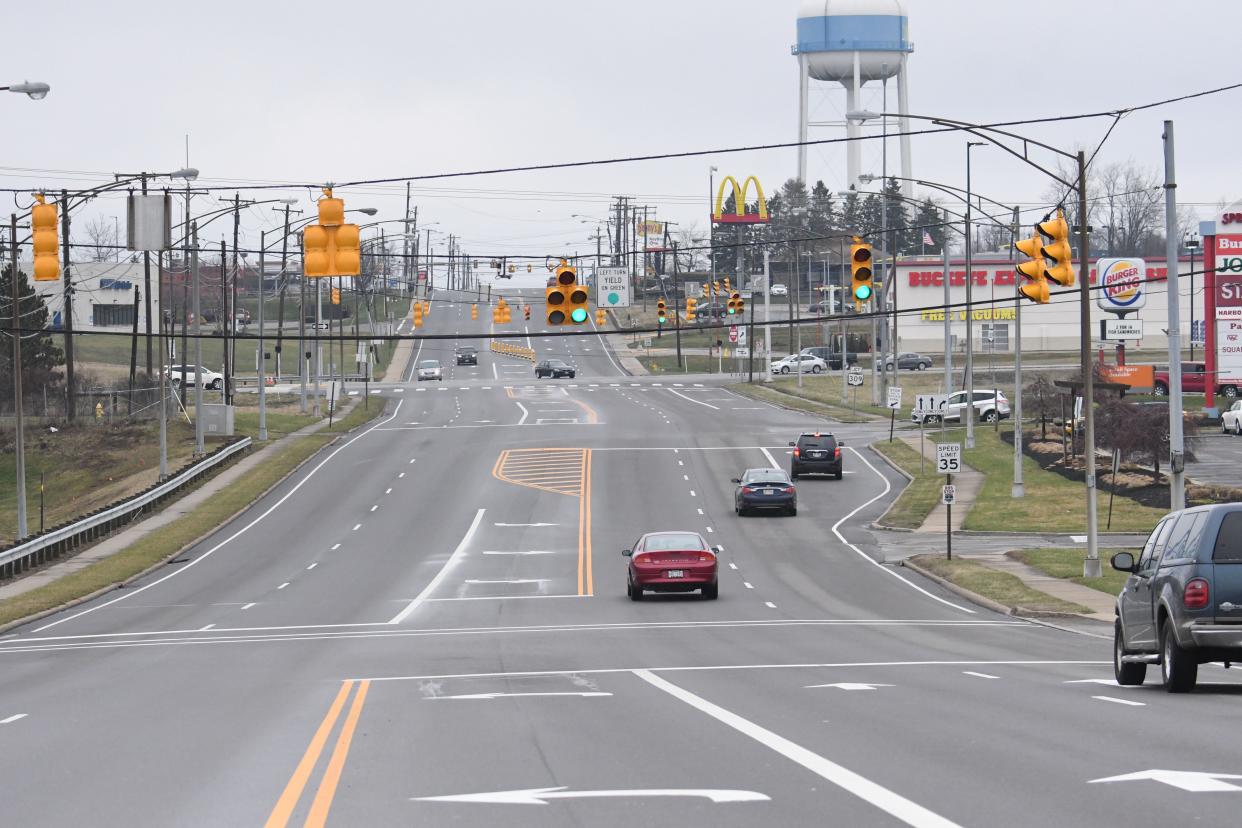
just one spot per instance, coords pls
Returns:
(851, 42)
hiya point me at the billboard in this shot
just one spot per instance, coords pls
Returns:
(1123, 284)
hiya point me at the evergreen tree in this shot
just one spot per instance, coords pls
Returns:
(40, 355)
(900, 236)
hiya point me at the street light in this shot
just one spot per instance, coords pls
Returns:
(36, 90)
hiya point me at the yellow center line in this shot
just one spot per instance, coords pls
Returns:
(293, 791)
(327, 786)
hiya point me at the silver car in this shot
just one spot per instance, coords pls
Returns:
(989, 407)
(1231, 420)
(429, 369)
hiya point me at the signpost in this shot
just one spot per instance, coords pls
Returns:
(613, 288)
(854, 379)
(927, 405)
(948, 463)
(894, 403)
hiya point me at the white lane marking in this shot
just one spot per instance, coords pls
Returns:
(540, 796)
(129, 593)
(357, 526)
(1120, 701)
(412, 459)
(692, 494)
(401, 475)
(1109, 682)
(206, 628)
(692, 399)
(732, 565)
(700, 511)
(771, 459)
(526, 552)
(505, 581)
(495, 374)
(525, 413)
(978, 675)
(681, 462)
(444, 570)
(335, 547)
(13, 718)
(376, 506)
(748, 584)
(491, 696)
(248, 606)
(709, 530)
(525, 524)
(850, 685)
(836, 530)
(861, 787)
(388, 492)
(312, 566)
(1078, 538)
(769, 605)
(502, 598)
(282, 586)
(1192, 781)
(685, 477)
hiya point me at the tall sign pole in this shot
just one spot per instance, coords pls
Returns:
(1177, 464)
(1091, 566)
(19, 436)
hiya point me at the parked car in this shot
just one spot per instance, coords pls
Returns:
(1231, 420)
(778, 290)
(831, 357)
(804, 363)
(178, 374)
(819, 309)
(554, 369)
(989, 407)
(429, 369)
(1181, 605)
(816, 453)
(909, 362)
(671, 562)
(1194, 380)
(765, 488)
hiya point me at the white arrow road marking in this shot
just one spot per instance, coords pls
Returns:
(540, 796)
(1193, 781)
(489, 696)
(850, 685)
(888, 801)
(17, 716)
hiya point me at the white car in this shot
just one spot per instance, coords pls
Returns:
(779, 290)
(177, 374)
(1231, 420)
(989, 407)
(429, 369)
(803, 363)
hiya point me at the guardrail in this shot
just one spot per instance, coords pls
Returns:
(518, 351)
(55, 542)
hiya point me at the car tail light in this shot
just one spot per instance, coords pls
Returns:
(797, 452)
(1196, 595)
(705, 556)
(644, 559)
(747, 490)
(837, 455)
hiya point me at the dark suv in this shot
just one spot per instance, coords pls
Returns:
(467, 355)
(1182, 604)
(833, 358)
(816, 453)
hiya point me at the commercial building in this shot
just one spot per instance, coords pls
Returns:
(103, 297)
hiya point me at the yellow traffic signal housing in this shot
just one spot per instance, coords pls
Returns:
(529, 268)
(336, 296)
(554, 298)
(728, 288)
(734, 304)
(692, 307)
(579, 313)
(474, 311)
(661, 311)
(526, 311)
(601, 318)
(331, 247)
(706, 290)
(741, 303)
(426, 306)
(46, 242)
(418, 314)
(1034, 271)
(1057, 249)
(862, 288)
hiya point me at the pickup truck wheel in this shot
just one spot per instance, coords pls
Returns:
(1160, 390)
(1230, 391)
(1178, 669)
(1126, 674)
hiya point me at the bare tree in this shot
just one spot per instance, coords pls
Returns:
(1131, 200)
(101, 232)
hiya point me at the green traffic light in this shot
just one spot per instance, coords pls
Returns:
(732, 311)
(579, 315)
(862, 293)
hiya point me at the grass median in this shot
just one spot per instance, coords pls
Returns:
(1001, 587)
(1067, 563)
(208, 516)
(920, 497)
(767, 393)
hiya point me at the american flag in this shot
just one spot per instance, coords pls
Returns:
(928, 240)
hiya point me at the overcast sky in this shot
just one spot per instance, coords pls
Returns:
(317, 91)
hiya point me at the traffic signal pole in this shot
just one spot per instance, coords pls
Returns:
(19, 436)
(1091, 566)
(1177, 473)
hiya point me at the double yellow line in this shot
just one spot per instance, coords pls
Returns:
(320, 805)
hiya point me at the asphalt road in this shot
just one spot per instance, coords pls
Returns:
(431, 616)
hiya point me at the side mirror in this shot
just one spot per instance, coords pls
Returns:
(627, 552)
(736, 480)
(1123, 562)
(792, 443)
(840, 442)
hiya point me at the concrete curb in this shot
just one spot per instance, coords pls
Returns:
(983, 601)
(164, 561)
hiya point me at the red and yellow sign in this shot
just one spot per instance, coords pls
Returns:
(739, 215)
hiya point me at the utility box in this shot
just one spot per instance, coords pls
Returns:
(217, 420)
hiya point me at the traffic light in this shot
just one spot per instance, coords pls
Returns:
(43, 225)
(733, 305)
(601, 318)
(860, 271)
(1057, 250)
(526, 311)
(529, 268)
(661, 311)
(336, 296)
(331, 247)
(692, 306)
(506, 314)
(418, 314)
(1035, 270)
(706, 286)
(741, 303)
(728, 289)
(426, 306)
(579, 313)
(566, 299)
(474, 311)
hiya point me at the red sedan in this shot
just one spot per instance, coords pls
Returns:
(671, 562)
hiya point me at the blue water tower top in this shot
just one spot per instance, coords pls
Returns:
(852, 26)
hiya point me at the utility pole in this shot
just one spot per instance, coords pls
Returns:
(1018, 490)
(198, 343)
(1091, 566)
(230, 345)
(224, 313)
(146, 286)
(71, 391)
(405, 241)
(263, 343)
(283, 281)
(1177, 468)
(767, 317)
(159, 263)
(19, 437)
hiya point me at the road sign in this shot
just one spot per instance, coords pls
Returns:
(741, 351)
(647, 342)
(733, 333)
(894, 397)
(1122, 329)
(948, 494)
(854, 377)
(929, 404)
(741, 335)
(948, 458)
(613, 287)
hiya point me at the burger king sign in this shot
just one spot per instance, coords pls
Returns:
(1123, 284)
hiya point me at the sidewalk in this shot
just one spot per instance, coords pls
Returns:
(127, 537)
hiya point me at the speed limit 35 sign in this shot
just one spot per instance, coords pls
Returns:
(948, 458)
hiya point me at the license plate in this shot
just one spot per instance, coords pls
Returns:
(675, 573)
(769, 491)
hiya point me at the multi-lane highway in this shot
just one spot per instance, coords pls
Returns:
(428, 625)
